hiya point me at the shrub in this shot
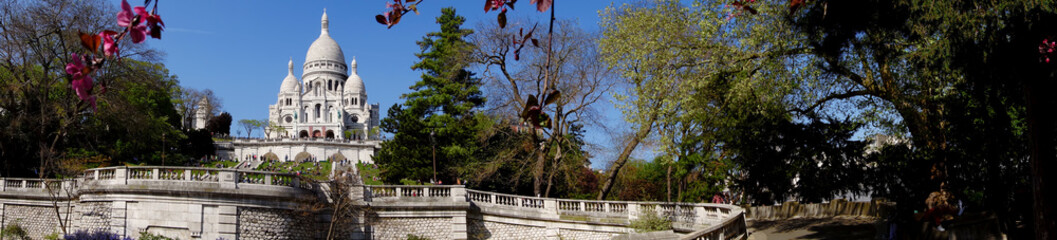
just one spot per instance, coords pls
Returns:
(14, 231)
(415, 237)
(94, 235)
(150, 236)
(649, 222)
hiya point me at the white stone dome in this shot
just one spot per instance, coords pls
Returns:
(324, 48)
(354, 84)
(290, 83)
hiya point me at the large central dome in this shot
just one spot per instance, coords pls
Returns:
(325, 48)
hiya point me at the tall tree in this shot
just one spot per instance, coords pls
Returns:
(220, 124)
(573, 72)
(42, 118)
(251, 124)
(440, 113)
(188, 103)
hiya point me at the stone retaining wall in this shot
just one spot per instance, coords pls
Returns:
(198, 203)
(481, 229)
(584, 235)
(38, 221)
(400, 228)
(274, 224)
(93, 215)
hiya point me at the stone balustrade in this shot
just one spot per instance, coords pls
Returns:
(124, 200)
(194, 179)
(700, 220)
(37, 187)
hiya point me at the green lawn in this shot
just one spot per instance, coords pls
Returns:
(368, 174)
(307, 169)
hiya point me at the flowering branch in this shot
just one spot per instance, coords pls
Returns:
(137, 23)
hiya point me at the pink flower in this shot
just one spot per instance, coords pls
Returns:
(124, 17)
(153, 23)
(109, 46)
(81, 81)
(138, 33)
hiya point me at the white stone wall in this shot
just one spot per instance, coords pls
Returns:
(38, 221)
(321, 150)
(171, 219)
(566, 233)
(93, 216)
(399, 228)
(274, 224)
(480, 229)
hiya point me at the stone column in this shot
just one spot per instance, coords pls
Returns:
(228, 179)
(121, 175)
(227, 227)
(118, 209)
(550, 209)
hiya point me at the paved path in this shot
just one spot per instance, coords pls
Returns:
(816, 228)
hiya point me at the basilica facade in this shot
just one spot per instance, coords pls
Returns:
(329, 101)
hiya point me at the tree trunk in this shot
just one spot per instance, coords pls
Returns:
(668, 177)
(537, 172)
(633, 143)
(1043, 157)
(557, 164)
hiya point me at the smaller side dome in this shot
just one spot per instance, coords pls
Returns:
(354, 84)
(290, 83)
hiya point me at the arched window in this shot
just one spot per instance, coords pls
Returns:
(318, 107)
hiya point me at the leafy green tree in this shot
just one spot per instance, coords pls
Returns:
(947, 75)
(220, 124)
(251, 124)
(441, 111)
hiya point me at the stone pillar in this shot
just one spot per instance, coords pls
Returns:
(227, 227)
(458, 194)
(118, 210)
(459, 226)
(550, 209)
(121, 175)
(633, 212)
(228, 179)
(702, 218)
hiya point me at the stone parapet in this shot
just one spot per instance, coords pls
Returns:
(207, 203)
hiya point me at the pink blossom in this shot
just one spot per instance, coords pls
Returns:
(124, 18)
(138, 33)
(81, 81)
(109, 46)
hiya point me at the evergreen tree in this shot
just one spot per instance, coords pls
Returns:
(439, 112)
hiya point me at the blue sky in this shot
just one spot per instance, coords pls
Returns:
(240, 49)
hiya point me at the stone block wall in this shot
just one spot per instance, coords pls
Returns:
(92, 216)
(565, 233)
(274, 224)
(398, 228)
(38, 221)
(480, 230)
